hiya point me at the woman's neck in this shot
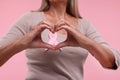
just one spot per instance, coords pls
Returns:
(58, 9)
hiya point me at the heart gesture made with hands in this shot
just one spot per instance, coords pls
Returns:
(71, 40)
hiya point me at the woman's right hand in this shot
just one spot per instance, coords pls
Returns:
(33, 38)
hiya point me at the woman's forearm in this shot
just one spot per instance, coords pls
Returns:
(101, 53)
(29, 40)
(6, 52)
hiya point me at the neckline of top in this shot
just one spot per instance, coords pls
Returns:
(44, 16)
(79, 20)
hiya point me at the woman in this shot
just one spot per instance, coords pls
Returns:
(42, 34)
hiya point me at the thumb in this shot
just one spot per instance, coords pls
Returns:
(49, 46)
(60, 45)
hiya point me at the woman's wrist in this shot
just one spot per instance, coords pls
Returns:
(19, 45)
(84, 41)
(92, 45)
(88, 44)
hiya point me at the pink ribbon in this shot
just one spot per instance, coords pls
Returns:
(53, 40)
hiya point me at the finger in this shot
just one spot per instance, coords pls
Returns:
(64, 22)
(44, 22)
(60, 45)
(65, 27)
(33, 32)
(41, 28)
(58, 28)
(67, 23)
(43, 25)
(46, 50)
(37, 28)
(48, 46)
(62, 25)
(38, 32)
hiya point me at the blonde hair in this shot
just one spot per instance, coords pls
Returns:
(72, 7)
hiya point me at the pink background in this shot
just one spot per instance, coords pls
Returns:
(103, 14)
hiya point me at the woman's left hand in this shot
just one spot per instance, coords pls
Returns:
(74, 37)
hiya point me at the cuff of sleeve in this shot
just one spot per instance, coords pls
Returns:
(116, 55)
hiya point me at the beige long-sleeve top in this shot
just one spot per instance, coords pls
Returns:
(54, 65)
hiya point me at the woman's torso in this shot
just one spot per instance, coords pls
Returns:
(55, 65)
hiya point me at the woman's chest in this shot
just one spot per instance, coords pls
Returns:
(65, 53)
